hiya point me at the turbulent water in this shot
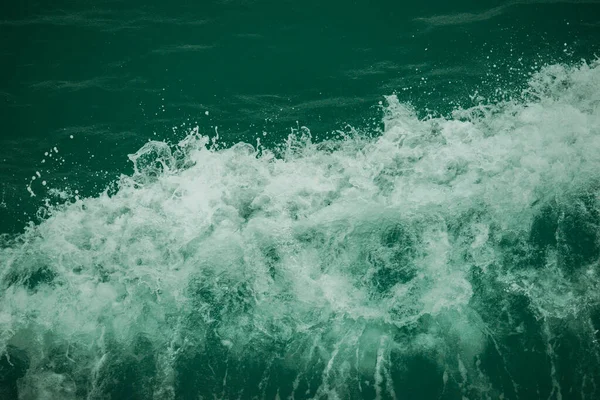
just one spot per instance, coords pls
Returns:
(441, 258)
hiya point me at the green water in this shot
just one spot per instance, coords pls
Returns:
(117, 73)
(325, 200)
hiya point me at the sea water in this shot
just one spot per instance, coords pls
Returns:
(449, 257)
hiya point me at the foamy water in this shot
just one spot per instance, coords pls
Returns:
(442, 258)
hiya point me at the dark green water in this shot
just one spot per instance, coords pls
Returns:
(415, 213)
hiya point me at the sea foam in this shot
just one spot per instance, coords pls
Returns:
(443, 257)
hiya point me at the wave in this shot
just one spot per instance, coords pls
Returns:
(444, 257)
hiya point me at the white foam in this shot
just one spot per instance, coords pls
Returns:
(350, 236)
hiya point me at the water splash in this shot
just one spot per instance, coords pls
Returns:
(443, 258)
